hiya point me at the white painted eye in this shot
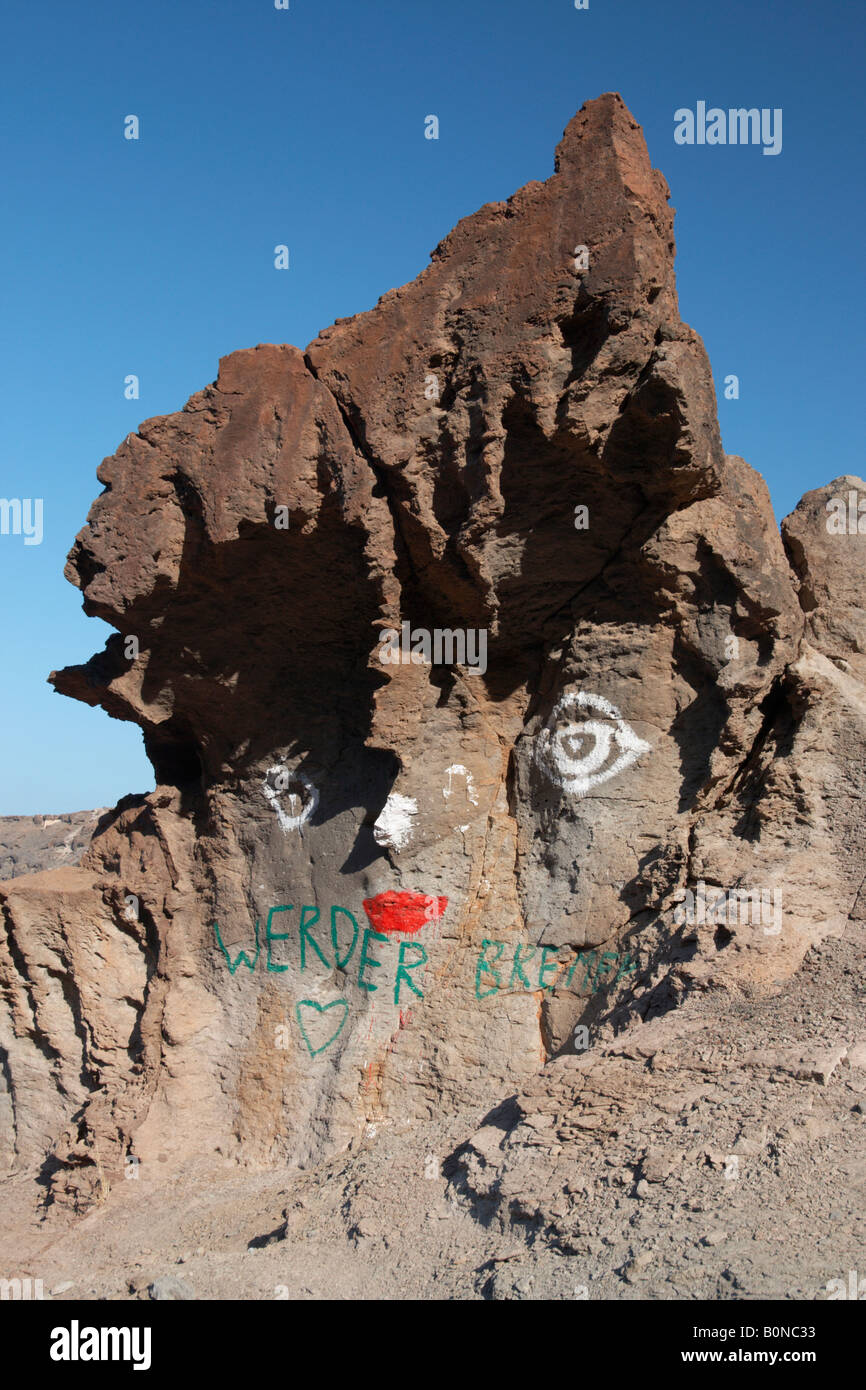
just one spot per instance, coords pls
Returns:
(576, 755)
(301, 803)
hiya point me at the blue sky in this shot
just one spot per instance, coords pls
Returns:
(306, 127)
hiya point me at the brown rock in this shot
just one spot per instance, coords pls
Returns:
(656, 703)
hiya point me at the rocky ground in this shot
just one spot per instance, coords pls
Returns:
(716, 1152)
(31, 843)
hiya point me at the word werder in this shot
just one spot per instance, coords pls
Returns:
(411, 956)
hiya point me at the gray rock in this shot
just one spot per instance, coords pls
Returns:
(170, 1288)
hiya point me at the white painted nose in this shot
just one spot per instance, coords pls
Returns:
(395, 824)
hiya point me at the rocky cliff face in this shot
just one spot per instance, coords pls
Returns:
(491, 716)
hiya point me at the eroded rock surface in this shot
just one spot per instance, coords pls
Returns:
(639, 778)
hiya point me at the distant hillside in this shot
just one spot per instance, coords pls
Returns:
(30, 843)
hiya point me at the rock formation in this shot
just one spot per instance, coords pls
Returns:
(624, 768)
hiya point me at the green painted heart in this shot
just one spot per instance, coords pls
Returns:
(320, 1009)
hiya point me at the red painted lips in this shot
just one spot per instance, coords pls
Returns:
(403, 912)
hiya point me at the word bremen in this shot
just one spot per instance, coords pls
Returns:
(489, 966)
